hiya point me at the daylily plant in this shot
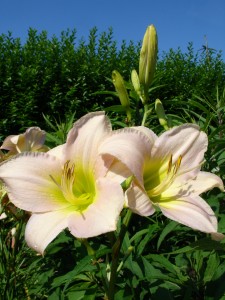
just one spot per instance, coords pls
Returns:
(32, 140)
(167, 176)
(65, 187)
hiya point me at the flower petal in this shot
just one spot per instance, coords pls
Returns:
(101, 216)
(186, 141)
(118, 172)
(203, 182)
(130, 146)
(57, 151)
(102, 165)
(42, 228)
(191, 211)
(10, 142)
(34, 138)
(30, 179)
(84, 138)
(138, 201)
(150, 134)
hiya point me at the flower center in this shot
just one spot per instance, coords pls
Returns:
(157, 182)
(77, 186)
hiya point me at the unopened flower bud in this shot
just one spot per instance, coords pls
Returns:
(148, 58)
(136, 82)
(161, 113)
(122, 92)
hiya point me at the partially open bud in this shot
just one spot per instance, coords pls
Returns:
(122, 92)
(161, 114)
(148, 58)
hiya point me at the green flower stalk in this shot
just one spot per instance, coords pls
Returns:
(148, 59)
(122, 92)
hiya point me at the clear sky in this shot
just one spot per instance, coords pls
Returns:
(177, 21)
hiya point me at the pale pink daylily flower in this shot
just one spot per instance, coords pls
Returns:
(3, 216)
(65, 187)
(167, 175)
(31, 140)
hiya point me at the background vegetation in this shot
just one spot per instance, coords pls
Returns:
(58, 76)
(64, 78)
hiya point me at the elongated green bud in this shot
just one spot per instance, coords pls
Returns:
(148, 58)
(136, 82)
(122, 92)
(120, 88)
(161, 114)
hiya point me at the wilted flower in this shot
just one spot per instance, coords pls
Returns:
(167, 175)
(32, 140)
(65, 187)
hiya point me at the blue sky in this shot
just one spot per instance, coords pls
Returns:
(177, 21)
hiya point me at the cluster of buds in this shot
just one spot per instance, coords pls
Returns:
(141, 80)
(147, 64)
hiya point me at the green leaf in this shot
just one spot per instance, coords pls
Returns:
(212, 265)
(149, 270)
(167, 230)
(165, 263)
(145, 240)
(205, 244)
(83, 265)
(116, 108)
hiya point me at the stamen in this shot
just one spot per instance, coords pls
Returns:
(177, 164)
(170, 164)
(76, 195)
(67, 181)
(53, 179)
(169, 178)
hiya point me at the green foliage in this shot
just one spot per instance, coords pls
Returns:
(56, 76)
(51, 83)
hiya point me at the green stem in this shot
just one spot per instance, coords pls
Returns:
(92, 253)
(146, 112)
(115, 255)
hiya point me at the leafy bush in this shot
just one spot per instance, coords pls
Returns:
(59, 76)
(56, 76)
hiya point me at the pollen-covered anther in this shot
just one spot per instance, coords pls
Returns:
(67, 180)
(168, 179)
(176, 165)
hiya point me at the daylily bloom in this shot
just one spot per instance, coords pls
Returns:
(169, 176)
(3, 216)
(32, 140)
(65, 187)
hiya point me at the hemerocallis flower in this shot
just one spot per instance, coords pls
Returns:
(169, 176)
(32, 140)
(65, 187)
(3, 216)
